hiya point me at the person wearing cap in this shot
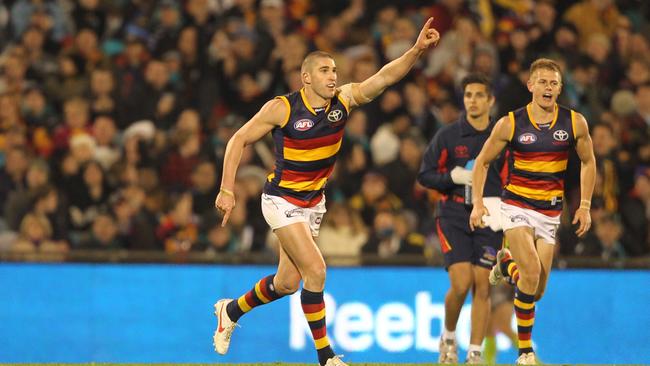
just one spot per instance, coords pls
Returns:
(307, 128)
(468, 255)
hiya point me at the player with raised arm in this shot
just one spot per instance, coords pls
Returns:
(540, 136)
(307, 127)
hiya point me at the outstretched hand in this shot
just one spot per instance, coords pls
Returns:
(428, 36)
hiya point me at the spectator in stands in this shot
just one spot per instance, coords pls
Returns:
(342, 235)
(36, 235)
(103, 234)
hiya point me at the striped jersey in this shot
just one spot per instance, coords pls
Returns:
(538, 160)
(306, 147)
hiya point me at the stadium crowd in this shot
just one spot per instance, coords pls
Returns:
(114, 116)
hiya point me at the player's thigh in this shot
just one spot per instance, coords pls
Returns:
(455, 240)
(287, 278)
(545, 251)
(296, 240)
(522, 246)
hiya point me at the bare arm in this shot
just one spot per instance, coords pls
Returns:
(491, 149)
(497, 141)
(585, 151)
(273, 113)
(361, 93)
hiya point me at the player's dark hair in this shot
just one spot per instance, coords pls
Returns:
(477, 78)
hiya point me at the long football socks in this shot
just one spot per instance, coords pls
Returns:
(313, 306)
(509, 268)
(525, 313)
(262, 293)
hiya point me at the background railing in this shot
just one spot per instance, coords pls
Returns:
(134, 256)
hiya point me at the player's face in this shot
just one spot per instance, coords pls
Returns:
(477, 100)
(322, 77)
(545, 85)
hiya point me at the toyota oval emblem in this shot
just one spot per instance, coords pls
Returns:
(335, 115)
(561, 135)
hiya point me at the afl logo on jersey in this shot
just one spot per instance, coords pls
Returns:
(303, 124)
(527, 138)
(560, 135)
(335, 115)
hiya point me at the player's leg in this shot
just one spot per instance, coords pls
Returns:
(522, 247)
(456, 245)
(545, 251)
(485, 244)
(296, 239)
(270, 288)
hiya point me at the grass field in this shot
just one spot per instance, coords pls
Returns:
(222, 364)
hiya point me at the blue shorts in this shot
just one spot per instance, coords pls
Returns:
(460, 244)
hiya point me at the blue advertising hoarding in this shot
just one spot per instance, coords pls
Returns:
(163, 313)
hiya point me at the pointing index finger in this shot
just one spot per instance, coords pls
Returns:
(428, 23)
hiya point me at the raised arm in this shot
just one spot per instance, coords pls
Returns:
(361, 93)
(585, 151)
(274, 113)
(501, 134)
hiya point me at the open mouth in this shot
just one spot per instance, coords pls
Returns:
(547, 97)
(331, 85)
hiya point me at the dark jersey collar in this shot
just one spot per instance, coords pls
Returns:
(466, 129)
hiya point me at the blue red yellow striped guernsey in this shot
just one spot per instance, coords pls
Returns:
(306, 147)
(538, 160)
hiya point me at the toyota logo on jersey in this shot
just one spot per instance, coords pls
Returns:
(335, 115)
(561, 135)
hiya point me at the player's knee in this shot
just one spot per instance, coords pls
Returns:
(288, 286)
(533, 269)
(481, 290)
(315, 273)
(460, 288)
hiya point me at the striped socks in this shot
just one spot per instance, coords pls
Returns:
(525, 313)
(509, 267)
(262, 293)
(313, 306)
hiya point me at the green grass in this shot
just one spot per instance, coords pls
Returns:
(222, 364)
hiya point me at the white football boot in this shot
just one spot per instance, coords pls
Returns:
(225, 327)
(448, 351)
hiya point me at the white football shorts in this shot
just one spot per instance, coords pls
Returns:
(279, 212)
(544, 227)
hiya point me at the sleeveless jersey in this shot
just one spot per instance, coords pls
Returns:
(538, 160)
(306, 147)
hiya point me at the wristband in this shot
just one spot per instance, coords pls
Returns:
(585, 204)
(230, 193)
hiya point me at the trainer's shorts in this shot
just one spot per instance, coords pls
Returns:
(279, 212)
(460, 244)
(544, 227)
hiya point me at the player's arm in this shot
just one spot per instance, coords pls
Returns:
(585, 151)
(431, 174)
(499, 138)
(273, 113)
(357, 94)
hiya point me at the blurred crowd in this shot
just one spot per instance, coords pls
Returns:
(114, 116)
